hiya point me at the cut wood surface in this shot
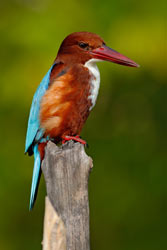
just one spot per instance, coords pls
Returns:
(66, 171)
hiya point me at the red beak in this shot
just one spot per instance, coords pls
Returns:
(107, 54)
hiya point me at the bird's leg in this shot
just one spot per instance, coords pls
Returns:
(74, 138)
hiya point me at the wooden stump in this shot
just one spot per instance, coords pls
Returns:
(66, 171)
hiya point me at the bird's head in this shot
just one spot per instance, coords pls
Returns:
(80, 47)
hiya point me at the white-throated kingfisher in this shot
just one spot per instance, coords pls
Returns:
(66, 95)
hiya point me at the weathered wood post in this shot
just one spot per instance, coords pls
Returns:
(66, 171)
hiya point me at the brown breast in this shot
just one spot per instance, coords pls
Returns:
(65, 105)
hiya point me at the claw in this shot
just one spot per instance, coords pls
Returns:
(74, 138)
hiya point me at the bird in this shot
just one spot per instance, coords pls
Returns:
(66, 96)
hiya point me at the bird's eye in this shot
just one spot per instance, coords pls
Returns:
(83, 45)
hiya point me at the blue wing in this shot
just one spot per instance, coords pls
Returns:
(34, 131)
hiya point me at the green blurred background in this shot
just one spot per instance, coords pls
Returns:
(126, 131)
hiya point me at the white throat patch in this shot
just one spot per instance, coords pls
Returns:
(95, 80)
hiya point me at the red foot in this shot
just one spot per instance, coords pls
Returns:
(74, 138)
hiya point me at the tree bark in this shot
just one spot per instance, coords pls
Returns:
(66, 171)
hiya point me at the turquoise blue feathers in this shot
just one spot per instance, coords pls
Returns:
(35, 134)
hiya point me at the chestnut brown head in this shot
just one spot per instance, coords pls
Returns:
(80, 47)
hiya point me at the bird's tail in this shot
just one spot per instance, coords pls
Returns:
(35, 177)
